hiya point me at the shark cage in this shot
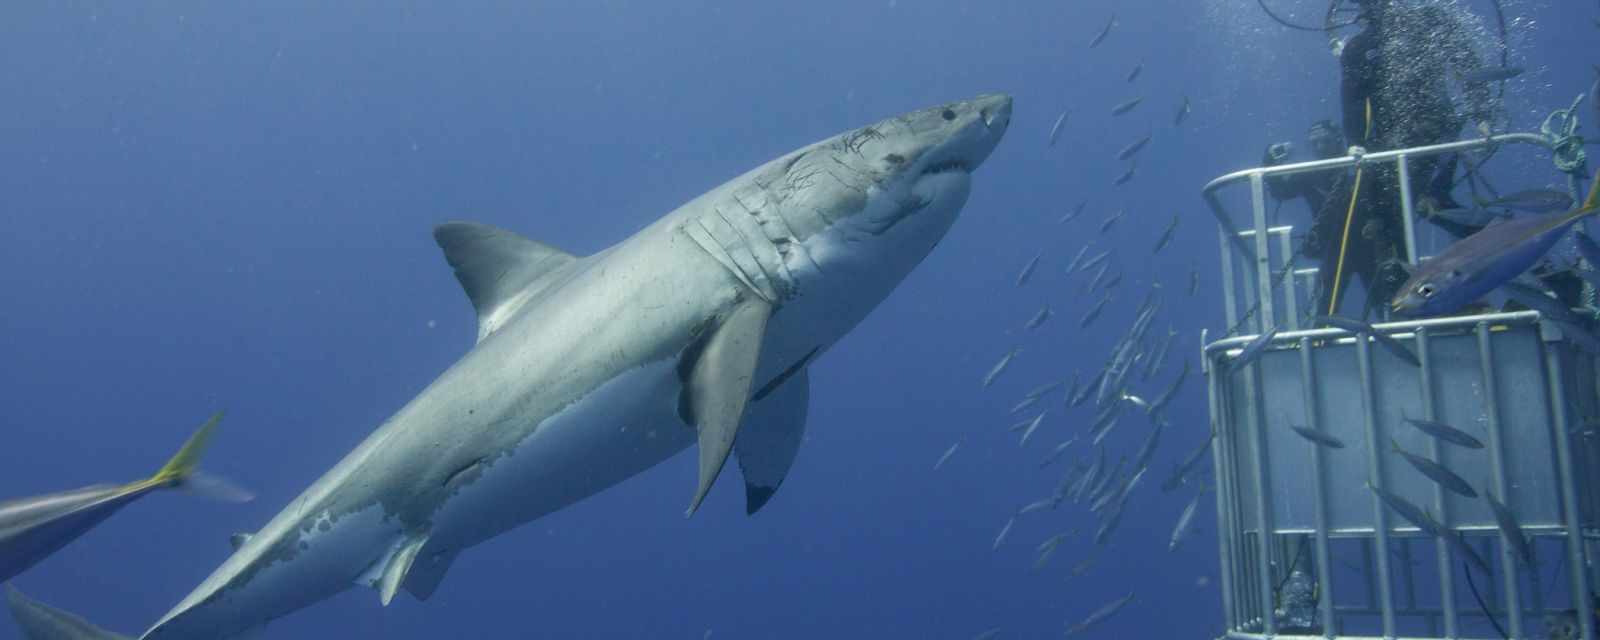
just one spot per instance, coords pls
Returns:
(1310, 545)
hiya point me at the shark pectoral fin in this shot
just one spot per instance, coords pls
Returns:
(394, 572)
(40, 621)
(717, 387)
(238, 539)
(426, 574)
(499, 270)
(770, 438)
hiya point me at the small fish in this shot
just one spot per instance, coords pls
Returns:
(1466, 216)
(1491, 74)
(32, 528)
(1000, 367)
(1180, 473)
(1125, 177)
(1426, 524)
(1112, 220)
(1412, 513)
(1166, 236)
(1134, 400)
(1055, 129)
(1183, 112)
(1047, 549)
(1101, 36)
(1084, 393)
(1027, 269)
(1038, 505)
(1077, 259)
(1435, 472)
(1137, 69)
(946, 457)
(1445, 432)
(1024, 404)
(1134, 148)
(1253, 350)
(1099, 276)
(1172, 390)
(1108, 527)
(1533, 201)
(1385, 340)
(1185, 522)
(1033, 426)
(1194, 281)
(1147, 451)
(1041, 390)
(1100, 615)
(1317, 437)
(1538, 299)
(1113, 281)
(1485, 260)
(1074, 213)
(1038, 318)
(1160, 357)
(1004, 532)
(1510, 529)
(1095, 260)
(1125, 107)
(1083, 565)
(988, 634)
(1094, 312)
(1055, 454)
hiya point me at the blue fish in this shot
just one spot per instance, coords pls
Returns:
(1484, 261)
(33, 528)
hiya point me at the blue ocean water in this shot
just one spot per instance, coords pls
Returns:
(227, 206)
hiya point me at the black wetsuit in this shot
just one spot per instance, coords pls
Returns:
(1400, 65)
(1326, 194)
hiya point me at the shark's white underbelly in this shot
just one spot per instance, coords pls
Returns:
(620, 429)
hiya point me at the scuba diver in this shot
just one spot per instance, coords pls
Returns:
(1325, 194)
(1395, 94)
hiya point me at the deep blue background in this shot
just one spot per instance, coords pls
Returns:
(224, 205)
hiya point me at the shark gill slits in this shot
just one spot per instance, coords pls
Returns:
(894, 158)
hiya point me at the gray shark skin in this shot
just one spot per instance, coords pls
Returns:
(33, 528)
(589, 370)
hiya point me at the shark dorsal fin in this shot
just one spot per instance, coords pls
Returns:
(239, 539)
(499, 270)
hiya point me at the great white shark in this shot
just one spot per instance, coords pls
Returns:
(589, 370)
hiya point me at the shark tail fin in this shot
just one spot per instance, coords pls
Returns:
(182, 470)
(40, 621)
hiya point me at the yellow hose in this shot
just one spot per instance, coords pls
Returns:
(1349, 217)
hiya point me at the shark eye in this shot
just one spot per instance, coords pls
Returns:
(1425, 290)
(949, 115)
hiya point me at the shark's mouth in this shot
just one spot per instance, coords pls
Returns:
(947, 166)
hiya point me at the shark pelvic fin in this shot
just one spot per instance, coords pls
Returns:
(399, 564)
(499, 270)
(771, 436)
(716, 386)
(40, 621)
(426, 574)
